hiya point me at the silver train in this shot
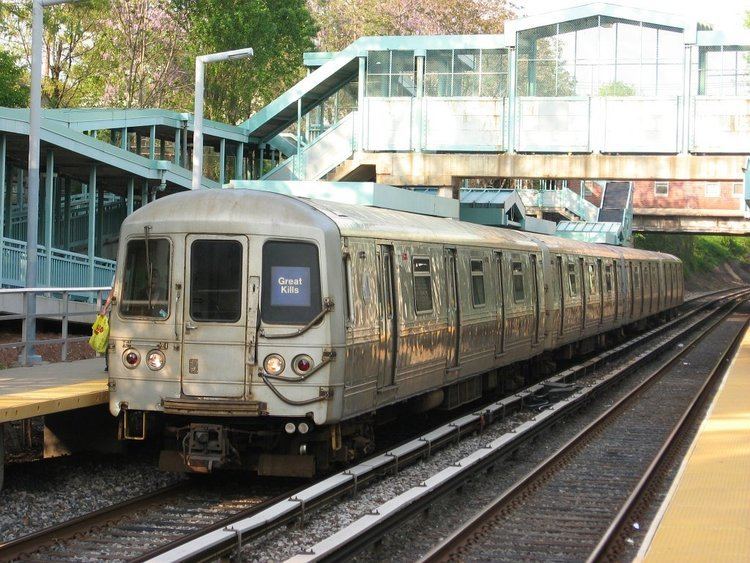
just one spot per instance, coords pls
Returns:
(259, 331)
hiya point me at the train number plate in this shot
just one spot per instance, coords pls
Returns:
(193, 366)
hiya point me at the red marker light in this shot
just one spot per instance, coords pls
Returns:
(303, 365)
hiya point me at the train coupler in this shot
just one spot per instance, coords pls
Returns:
(205, 447)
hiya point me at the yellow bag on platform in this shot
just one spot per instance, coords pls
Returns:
(100, 334)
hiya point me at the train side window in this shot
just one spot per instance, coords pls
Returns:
(572, 279)
(608, 278)
(477, 283)
(519, 293)
(592, 279)
(422, 285)
(290, 291)
(348, 287)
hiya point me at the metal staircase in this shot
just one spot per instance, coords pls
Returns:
(614, 224)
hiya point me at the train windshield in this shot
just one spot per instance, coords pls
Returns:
(145, 284)
(291, 283)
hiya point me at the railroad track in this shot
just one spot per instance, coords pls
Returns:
(130, 529)
(229, 541)
(567, 507)
(178, 518)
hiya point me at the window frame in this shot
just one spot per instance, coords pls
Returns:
(709, 188)
(608, 285)
(235, 242)
(658, 185)
(265, 298)
(517, 274)
(169, 284)
(479, 274)
(572, 277)
(428, 275)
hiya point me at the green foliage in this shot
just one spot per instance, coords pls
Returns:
(279, 31)
(699, 253)
(616, 88)
(13, 92)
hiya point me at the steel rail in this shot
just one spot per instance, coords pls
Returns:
(661, 461)
(461, 537)
(230, 539)
(53, 534)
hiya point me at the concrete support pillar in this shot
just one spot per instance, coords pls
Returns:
(178, 147)
(261, 156)
(144, 193)
(124, 138)
(222, 161)
(239, 162)
(185, 160)
(49, 188)
(20, 188)
(152, 142)
(417, 134)
(92, 222)
(130, 203)
(361, 86)
(510, 134)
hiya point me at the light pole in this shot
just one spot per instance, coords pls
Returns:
(32, 209)
(200, 62)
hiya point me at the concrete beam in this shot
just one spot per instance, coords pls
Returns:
(430, 169)
(691, 225)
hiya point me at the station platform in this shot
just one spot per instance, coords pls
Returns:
(706, 515)
(51, 388)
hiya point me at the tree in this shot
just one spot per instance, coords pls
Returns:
(616, 88)
(344, 21)
(279, 31)
(68, 36)
(13, 92)
(140, 57)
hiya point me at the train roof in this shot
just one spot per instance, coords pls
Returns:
(234, 211)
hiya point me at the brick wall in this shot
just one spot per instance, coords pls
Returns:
(689, 197)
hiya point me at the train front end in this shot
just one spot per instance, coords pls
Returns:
(225, 334)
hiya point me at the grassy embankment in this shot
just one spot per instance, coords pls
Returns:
(704, 256)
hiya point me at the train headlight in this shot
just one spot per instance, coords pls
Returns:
(155, 360)
(131, 358)
(273, 364)
(302, 364)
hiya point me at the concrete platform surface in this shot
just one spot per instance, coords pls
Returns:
(706, 515)
(51, 388)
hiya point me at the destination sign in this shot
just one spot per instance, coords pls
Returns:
(290, 286)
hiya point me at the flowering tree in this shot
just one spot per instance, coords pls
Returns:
(343, 21)
(140, 56)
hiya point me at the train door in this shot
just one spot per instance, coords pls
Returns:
(584, 292)
(215, 317)
(600, 285)
(388, 316)
(535, 297)
(563, 300)
(631, 287)
(452, 307)
(500, 304)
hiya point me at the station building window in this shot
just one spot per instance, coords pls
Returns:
(724, 71)
(466, 73)
(422, 285)
(713, 189)
(391, 74)
(738, 189)
(600, 56)
(661, 189)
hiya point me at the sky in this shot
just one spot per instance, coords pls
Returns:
(724, 14)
